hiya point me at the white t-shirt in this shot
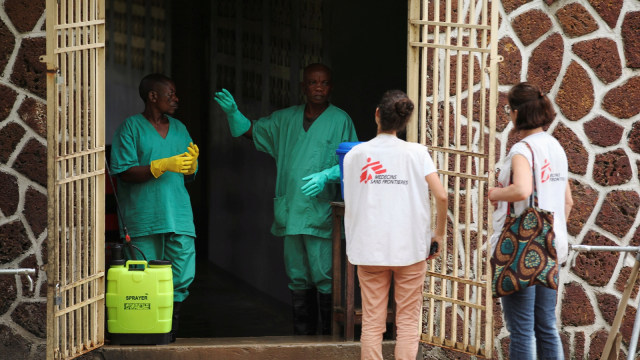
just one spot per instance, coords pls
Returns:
(551, 174)
(387, 216)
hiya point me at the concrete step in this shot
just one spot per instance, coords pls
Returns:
(257, 348)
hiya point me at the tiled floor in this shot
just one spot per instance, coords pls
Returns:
(221, 306)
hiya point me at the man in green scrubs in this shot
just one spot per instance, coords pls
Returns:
(303, 140)
(153, 155)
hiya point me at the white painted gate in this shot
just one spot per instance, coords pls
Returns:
(75, 167)
(452, 75)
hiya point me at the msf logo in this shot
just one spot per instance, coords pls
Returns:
(546, 171)
(371, 167)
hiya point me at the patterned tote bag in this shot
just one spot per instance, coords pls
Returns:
(525, 254)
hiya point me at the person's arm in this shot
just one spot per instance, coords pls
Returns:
(522, 185)
(238, 123)
(568, 202)
(137, 174)
(440, 195)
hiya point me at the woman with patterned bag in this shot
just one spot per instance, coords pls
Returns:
(532, 201)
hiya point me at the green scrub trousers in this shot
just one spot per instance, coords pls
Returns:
(179, 249)
(307, 260)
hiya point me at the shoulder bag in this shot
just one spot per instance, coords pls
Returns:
(525, 254)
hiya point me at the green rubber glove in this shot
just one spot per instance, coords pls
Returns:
(179, 164)
(315, 182)
(238, 123)
(194, 152)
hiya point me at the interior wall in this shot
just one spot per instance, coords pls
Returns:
(368, 47)
(189, 70)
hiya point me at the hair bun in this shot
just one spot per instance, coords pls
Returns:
(404, 107)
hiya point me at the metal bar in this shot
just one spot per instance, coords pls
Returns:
(448, 47)
(51, 21)
(453, 278)
(20, 271)
(422, 105)
(452, 173)
(67, 49)
(80, 305)
(81, 153)
(492, 19)
(79, 24)
(456, 179)
(445, 24)
(83, 176)
(454, 301)
(83, 281)
(604, 248)
(458, 152)
(631, 354)
(86, 206)
(97, 79)
(413, 70)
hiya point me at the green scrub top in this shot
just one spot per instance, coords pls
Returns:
(299, 153)
(159, 205)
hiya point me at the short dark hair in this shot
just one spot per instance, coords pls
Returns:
(317, 66)
(534, 107)
(149, 82)
(395, 110)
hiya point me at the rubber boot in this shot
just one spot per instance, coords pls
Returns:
(175, 321)
(305, 312)
(326, 312)
(312, 300)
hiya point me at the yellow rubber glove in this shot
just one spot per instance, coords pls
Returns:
(194, 152)
(179, 164)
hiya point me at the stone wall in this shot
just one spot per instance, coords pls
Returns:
(586, 56)
(23, 178)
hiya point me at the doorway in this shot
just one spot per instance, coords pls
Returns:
(256, 49)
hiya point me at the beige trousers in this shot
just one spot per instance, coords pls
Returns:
(375, 282)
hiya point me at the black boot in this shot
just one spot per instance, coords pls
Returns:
(326, 312)
(175, 321)
(305, 312)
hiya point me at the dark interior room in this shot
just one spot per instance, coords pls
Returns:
(256, 49)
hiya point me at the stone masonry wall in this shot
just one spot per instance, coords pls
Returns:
(586, 56)
(23, 178)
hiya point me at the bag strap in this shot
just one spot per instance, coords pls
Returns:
(533, 198)
(534, 194)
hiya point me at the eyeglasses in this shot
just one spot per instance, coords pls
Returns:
(507, 109)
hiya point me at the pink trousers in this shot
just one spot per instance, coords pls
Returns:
(375, 282)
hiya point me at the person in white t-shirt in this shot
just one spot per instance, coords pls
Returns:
(530, 313)
(388, 228)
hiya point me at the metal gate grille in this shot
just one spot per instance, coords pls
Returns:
(75, 142)
(452, 73)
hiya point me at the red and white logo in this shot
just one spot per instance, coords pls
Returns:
(545, 171)
(375, 167)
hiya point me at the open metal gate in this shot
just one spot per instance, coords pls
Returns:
(75, 166)
(452, 74)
